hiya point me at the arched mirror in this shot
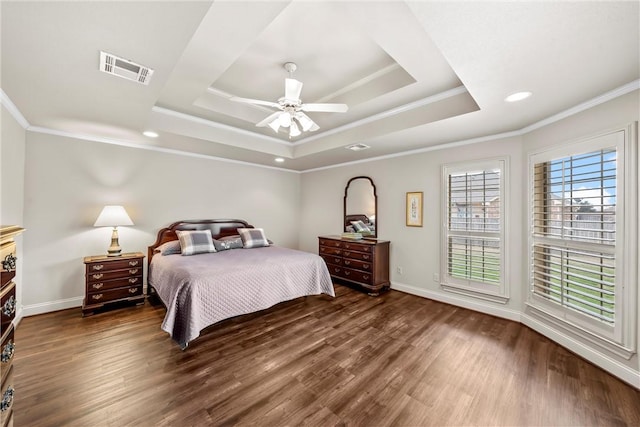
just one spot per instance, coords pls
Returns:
(361, 204)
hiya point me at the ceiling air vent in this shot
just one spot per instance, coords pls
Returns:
(124, 68)
(357, 147)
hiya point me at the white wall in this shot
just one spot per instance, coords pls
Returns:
(68, 181)
(12, 160)
(417, 250)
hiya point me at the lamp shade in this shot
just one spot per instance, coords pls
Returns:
(113, 216)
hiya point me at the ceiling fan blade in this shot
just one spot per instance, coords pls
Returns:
(255, 101)
(269, 119)
(328, 108)
(292, 89)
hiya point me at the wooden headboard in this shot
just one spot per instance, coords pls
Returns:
(219, 228)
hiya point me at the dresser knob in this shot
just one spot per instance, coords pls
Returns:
(9, 263)
(7, 352)
(7, 398)
(365, 277)
(97, 296)
(337, 270)
(97, 285)
(98, 267)
(10, 306)
(365, 266)
(98, 276)
(347, 272)
(365, 256)
(133, 263)
(347, 262)
(133, 280)
(336, 260)
(347, 254)
(133, 271)
(133, 290)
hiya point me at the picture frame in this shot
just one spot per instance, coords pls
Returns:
(414, 209)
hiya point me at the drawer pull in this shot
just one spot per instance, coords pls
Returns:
(97, 285)
(337, 270)
(365, 276)
(7, 352)
(97, 296)
(347, 262)
(347, 254)
(365, 256)
(98, 267)
(10, 306)
(9, 263)
(133, 290)
(133, 280)
(347, 272)
(133, 263)
(7, 399)
(133, 271)
(336, 260)
(98, 276)
(365, 266)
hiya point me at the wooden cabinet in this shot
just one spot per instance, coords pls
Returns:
(8, 307)
(362, 262)
(112, 279)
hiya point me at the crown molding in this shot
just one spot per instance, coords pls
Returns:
(13, 110)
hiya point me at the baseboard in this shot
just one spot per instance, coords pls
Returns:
(47, 307)
(481, 306)
(610, 365)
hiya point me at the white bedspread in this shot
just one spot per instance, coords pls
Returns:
(200, 290)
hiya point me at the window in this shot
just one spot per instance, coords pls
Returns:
(577, 217)
(473, 250)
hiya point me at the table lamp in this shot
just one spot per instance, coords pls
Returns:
(113, 216)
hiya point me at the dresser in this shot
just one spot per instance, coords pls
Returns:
(112, 279)
(361, 262)
(8, 306)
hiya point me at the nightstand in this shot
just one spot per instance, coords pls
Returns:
(112, 279)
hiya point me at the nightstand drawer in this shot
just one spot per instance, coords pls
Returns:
(97, 267)
(114, 294)
(117, 274)
(7, 350)
(8, 306)
(104, 285)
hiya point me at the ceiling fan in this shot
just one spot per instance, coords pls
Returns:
(292, 110)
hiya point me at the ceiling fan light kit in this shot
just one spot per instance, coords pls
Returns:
(291, 114)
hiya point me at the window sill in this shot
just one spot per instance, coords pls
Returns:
(475, 293)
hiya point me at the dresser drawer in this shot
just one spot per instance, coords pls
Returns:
(357, 264)
(97, 267)
(7, 350)
(331, 243)
(357, 255)
(7, 396)
(9, 263)
(117, 274)
(103, 285)
(113, 294)
(357, 247)
(358, 276)
(332, 259)
(326, 250)
(7, 306)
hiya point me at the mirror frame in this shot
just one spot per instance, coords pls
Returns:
(375, 201)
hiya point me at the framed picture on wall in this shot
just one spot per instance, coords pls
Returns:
(414, 209)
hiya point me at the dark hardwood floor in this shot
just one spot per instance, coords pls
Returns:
(354, 360)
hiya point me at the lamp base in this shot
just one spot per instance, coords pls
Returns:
(114, 249)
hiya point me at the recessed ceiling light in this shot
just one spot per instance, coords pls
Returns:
(518, 96)
(150, 134)
(357, 147)
(279, 159)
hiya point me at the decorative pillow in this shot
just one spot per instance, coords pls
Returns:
(253, 237)
(195, 242)
(228, 242)
(360, 226)
(169, 248)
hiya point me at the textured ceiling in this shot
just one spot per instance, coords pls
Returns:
(414, 74)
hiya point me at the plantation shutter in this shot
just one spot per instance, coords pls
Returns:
(574, 232)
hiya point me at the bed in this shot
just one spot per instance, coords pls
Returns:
(201, 290)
